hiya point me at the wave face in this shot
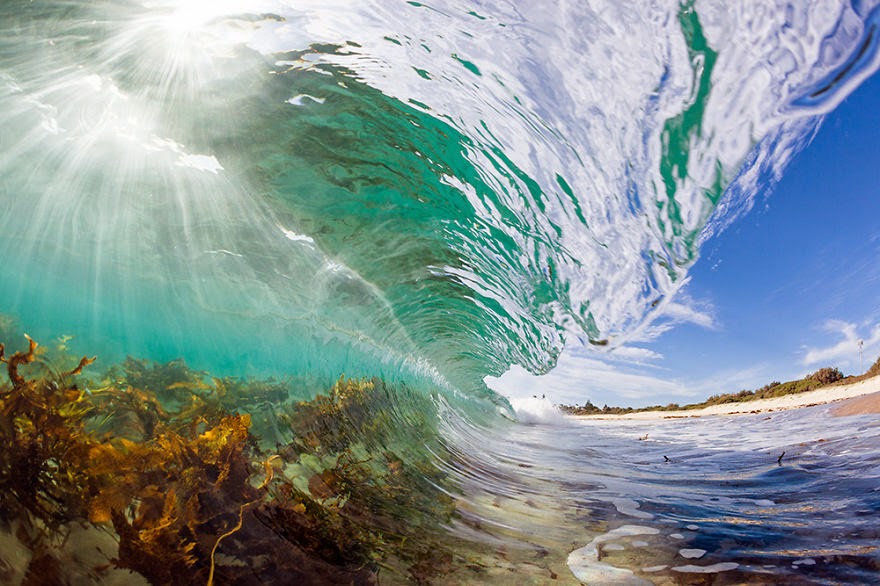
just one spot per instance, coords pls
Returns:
(445, 190)
(427, 191)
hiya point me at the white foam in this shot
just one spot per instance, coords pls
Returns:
(532, 410)
(294, 237)
(654, 568)
(630, 507)
(692, 554)
(585, 565)
(713, 569)
(298, 100)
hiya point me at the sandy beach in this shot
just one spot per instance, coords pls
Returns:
(855, 399)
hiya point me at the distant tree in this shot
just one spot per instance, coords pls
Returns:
(826, 376)
(586, 409)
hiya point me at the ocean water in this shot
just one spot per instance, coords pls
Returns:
(686, 501)
(422, 194)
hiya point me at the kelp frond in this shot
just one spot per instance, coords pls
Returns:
(163, 456)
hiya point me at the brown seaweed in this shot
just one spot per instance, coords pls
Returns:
(42, 429)
(163, 456)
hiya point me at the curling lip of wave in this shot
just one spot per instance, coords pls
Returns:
(487, 201)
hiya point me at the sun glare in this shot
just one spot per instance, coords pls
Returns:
(188, 16)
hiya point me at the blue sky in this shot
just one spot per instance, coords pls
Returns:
(785, 290)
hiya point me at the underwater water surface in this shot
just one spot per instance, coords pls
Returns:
(298, 236)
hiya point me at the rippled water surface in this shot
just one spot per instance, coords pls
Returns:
(699, 500)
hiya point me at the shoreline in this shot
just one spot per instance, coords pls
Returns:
(856, 399)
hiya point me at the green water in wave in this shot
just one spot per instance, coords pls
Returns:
(186, 180)
(405, 241)
(389, 190)
(678, 134)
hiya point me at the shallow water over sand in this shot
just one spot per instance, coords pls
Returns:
(768, 498)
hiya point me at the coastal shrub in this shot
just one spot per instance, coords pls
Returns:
(874, 370)
(766, 388)
(826, 376)
(822, 377)
(586, 409)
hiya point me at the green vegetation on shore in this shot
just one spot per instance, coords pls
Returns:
(821, 378)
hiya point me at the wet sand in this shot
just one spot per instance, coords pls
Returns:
(856, 398)
(859, 406)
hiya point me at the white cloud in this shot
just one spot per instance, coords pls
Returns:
(689, 313)
(650, 331)
(684, 309)
(623, 374)
(845, 352)
(634, 354)
(578, 378)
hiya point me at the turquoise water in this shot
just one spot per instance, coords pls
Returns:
(427, 193)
